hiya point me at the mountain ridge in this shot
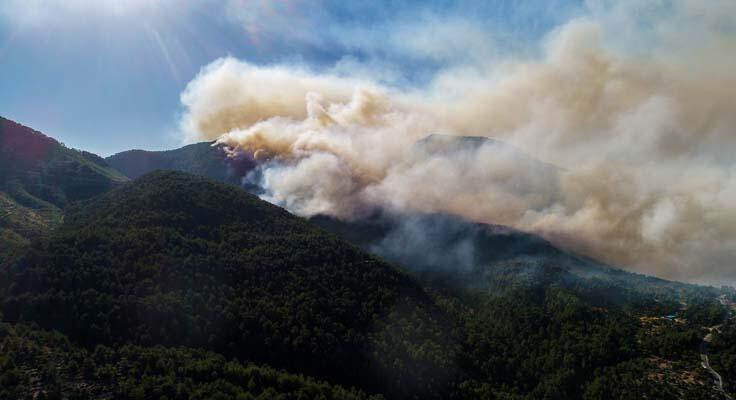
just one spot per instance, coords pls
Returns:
(39, 177)
(199, 158)
(150, 286)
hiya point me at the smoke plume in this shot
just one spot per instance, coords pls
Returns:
(630, 111)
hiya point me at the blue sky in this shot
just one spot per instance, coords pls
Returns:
(107, 77)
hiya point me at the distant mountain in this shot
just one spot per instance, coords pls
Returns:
(202, 159)
(449, 145)
(526, 174)
(39, 177)
(178, 260)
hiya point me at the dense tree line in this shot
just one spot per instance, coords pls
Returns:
(163, 257)
(46, 365)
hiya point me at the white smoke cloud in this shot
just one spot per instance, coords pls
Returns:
(636, 110)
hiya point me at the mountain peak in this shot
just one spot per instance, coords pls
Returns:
(199, 158)
(39, 177)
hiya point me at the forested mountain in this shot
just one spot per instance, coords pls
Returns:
(443, 247)
(160, 274)
(200, 159)
(177, 286)
(40, 176)
(162, 256)
(604, 333)
(40, 364)
(492, 258)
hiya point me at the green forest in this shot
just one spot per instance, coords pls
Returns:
(156, 290)
(179, 286)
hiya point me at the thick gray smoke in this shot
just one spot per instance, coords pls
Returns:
(636, 128)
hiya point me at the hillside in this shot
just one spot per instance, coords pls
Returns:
(178, 260)
(39, 177)
(492, 258)
(174, 269)
(48, 365)
(181, 286)
(200, 159)
(536, 318)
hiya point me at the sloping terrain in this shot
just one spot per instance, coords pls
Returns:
(178, 260)
(491, 258)
(180, 286)
(542, 321)
(181, 270)
(38, 364)
(38, 178)
(200, 159)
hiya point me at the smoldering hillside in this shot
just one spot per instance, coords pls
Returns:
(638, 138)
